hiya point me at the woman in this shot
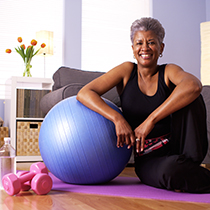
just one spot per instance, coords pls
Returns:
(159, 102)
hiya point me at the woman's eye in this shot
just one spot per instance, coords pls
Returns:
(151, 43)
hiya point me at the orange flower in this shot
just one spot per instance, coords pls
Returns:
(8, 51)
(20, 39)
(43, 45)
(33, 42)
(23, 46)
(26, 54)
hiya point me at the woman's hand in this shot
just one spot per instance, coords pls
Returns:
(141, 133)
(125, 134)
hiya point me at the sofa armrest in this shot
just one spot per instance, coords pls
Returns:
(206, 97)
(65, 75)
(73, 89)
(52, 98)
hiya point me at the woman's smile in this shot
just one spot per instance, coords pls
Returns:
(146, 56)
(146, 48)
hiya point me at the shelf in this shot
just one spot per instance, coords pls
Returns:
(28, 158)
(13, 116)
(29, 119)
(30, 82)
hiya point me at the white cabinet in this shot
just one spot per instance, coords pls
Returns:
(14, 111)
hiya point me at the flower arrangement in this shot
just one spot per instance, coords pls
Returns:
(27, 54)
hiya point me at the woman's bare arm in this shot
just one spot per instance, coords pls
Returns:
(187, 89)
(90, 94)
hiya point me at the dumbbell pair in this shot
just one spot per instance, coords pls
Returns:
(37, 179)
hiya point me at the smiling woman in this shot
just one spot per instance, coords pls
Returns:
(164, 115)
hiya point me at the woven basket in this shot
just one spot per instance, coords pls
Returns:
(4, 132)
(28, 138)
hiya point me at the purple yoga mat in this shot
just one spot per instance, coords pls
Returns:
(129, 187)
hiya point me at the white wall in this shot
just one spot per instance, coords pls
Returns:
(72, 33)
(207, 10)
(88, 40)
(181, 20)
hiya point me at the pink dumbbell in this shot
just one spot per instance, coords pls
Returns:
(12, 184)
(24, 186)
(41, 184)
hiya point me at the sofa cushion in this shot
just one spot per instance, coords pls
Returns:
(65, 75)
(78, 78)
(206, 97)
(68, 82)
(71, 90)
(52, 98)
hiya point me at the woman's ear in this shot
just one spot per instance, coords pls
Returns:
(162, 47)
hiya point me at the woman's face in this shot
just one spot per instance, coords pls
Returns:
(146, 48)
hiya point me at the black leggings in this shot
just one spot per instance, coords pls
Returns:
(176, 166)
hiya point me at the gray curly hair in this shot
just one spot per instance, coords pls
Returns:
(148, 24)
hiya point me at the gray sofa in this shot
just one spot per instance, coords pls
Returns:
(68, 81)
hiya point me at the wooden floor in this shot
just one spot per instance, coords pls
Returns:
(66, 200)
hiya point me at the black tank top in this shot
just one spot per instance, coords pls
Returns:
(137, 106)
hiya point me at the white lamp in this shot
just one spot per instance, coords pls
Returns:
(205, 52)
(47, 38)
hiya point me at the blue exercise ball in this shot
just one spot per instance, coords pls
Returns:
(78, 145)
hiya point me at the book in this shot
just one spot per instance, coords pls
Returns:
(28, 103)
